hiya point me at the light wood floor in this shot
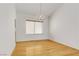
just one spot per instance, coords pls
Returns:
(43, 48)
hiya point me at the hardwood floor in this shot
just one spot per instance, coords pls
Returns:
(43, 48)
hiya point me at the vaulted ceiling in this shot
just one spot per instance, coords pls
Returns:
(34, 8)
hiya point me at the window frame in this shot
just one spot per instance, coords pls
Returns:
(34, 27)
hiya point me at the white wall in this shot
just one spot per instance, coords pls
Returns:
(7, 31)
(20, 29)
(64, 25)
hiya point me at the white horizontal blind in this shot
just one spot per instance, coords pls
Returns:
(38, 27)
(34, 27)
(29, 27)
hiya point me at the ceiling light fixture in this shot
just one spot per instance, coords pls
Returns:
(41, 17)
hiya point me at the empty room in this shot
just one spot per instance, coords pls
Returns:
(39, 29)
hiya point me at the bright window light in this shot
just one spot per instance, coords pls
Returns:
(34, 27)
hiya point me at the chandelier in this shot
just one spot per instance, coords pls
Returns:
(41, 16)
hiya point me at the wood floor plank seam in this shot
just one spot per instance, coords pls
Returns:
(43, 48)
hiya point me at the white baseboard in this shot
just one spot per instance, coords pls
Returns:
(64, 44)
(30, 39)
(10, 53)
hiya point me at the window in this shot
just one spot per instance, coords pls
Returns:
(34, 27)
(29, 27)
